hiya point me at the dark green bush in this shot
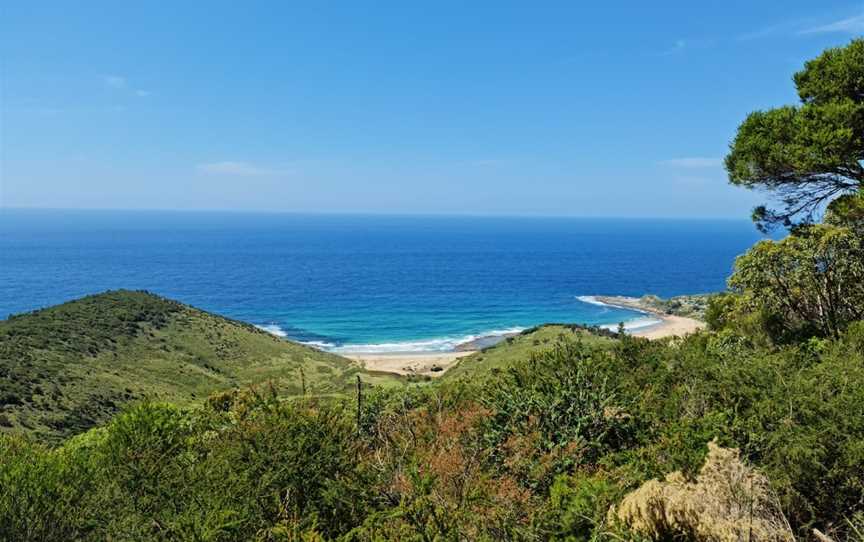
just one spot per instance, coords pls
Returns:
(558, 409)
(538, 451)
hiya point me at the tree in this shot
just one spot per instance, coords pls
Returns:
(848, 211)
(810, 283)
(805, 156)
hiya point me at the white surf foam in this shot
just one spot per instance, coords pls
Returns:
(281, 333)
(634, 324)
(592, 300)
(449, 344)
(272, 329)
(439, 344)
(322, 345)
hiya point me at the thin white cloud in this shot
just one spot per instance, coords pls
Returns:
(115, 81)
(763, 32)
(236, 169)
(789, 27)
(805, 26)
(119, 82)
(693, 162)
(850, 25)
(677, 47)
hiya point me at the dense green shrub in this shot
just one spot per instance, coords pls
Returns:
(555, 411)
(541, 450)
(43, 494)
(810, 283)
(577, 507)
(157, 472)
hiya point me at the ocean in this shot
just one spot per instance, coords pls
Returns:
(357, 283)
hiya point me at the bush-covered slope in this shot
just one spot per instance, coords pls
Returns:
(519, 348)
(560, 445)
(67, 368)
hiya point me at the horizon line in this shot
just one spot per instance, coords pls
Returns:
(367, 213)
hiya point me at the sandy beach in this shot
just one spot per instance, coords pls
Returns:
(436, 363)
(410, 364)
(670, 326)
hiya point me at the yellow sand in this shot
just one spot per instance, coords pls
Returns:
(409, 364)
(670, 327)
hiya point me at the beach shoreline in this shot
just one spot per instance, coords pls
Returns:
(670, 325)
(422, 363)
(434, 364)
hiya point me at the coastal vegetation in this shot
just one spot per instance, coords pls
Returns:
(68, 368)
(688, 306)
(520, 347)
(807, 155)
(811, 157)
(750, 430)
(542, 449)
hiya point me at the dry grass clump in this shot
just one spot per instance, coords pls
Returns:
(728, 502)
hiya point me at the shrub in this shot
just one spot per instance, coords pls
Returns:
(553, 412)
(810, 283)
(43, 495)
(727, 502)
(577, 507)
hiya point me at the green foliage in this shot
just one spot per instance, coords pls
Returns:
(720, 311)
(810, 283)
(836, 74)
(578, 505)
(556, 410)
(809, 154)
(541, 450)
(258, 470)
(68, 368)
(496, 358)
(796, 413)
(847, 211)
(43, 494)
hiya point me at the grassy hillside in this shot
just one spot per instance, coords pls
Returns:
(67, 368)
(519, 348)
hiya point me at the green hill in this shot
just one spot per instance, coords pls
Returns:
(517, 349)
(70, 367)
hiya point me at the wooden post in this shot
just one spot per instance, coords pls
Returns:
(359, 403)
(303, 380)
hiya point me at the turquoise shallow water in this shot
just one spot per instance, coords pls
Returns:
(366, 283)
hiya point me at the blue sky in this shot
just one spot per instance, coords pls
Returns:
(533, 108)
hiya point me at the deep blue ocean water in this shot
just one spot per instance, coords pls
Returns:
(371, 283)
